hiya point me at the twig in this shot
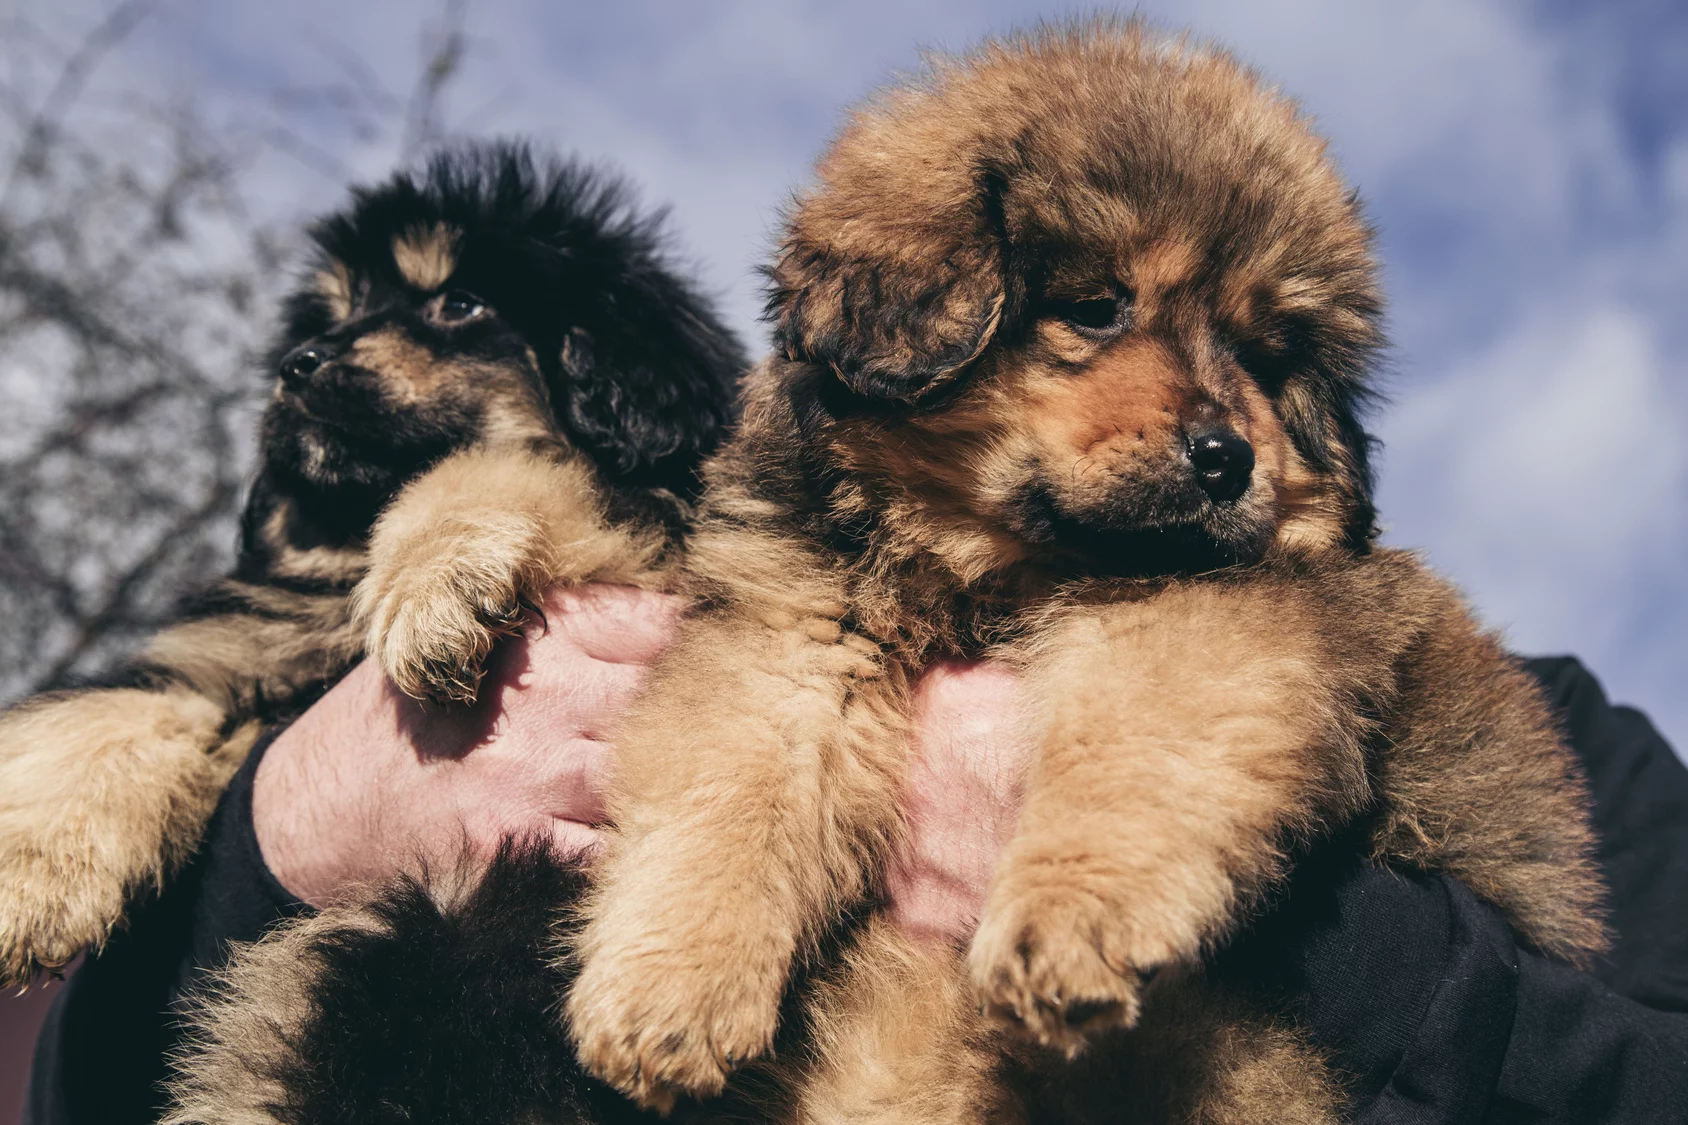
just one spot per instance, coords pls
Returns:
(72, 76)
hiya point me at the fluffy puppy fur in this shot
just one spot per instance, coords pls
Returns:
(1072, 338)
(509, 327)
(431, 1003)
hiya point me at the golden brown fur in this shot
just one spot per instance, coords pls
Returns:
(893, 1036)
(104, 798)
(457, 554)
(1073, 337)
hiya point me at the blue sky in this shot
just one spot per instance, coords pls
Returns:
(1527, 166)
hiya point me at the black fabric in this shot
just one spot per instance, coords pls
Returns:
(1449, 1068)
(1355, 954)
(1413, 986)
(1406, 981)
(1581, 1053)
(1641, 812)
(100, 1057)
(1416, 989)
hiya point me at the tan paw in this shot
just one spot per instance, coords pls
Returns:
(1056, 966)
(659, 1025)
(434, 609)
(50, 912)
(102, 795)
(433, 639)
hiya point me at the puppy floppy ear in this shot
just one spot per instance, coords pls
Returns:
(892, 272)
(648, 378)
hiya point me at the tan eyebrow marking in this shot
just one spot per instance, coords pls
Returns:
(334, 285)
(426, 256)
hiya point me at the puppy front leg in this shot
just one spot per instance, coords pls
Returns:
(1187, 737)
(103, 794)
(456, 555)
(756, 785)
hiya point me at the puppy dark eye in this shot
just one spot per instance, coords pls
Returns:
(458, 307)
(1272, 353)
(1091, 316)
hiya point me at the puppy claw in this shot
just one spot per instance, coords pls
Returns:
(660, 1035)
(432, 629)
(1056, 972)
(531, 611)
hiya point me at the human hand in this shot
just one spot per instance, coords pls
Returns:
(368, 779)
(972, 746)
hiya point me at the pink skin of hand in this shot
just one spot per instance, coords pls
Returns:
(368, 782)
(961, 798)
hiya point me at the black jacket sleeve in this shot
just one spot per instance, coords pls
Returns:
(1612, 1045)
(1581, 1052)
(1417, 990)
(1640, 790)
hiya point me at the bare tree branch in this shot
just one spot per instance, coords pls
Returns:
(72, 77)
(443, 52)
(135, 289)
(117, 605)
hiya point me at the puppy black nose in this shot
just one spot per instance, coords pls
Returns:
(1223, 460)
(298, 365)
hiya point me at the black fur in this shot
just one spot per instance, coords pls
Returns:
(447, 1016)
(451, 1015)
(636, 365)
(592, 332)
(584, 344)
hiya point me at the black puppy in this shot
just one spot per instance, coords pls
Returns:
(490, 318)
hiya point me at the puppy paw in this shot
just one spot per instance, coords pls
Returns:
(660, 1023)
(49, 914)
(1057, 967)
(432, 632)
(102, 795)
(434, 604)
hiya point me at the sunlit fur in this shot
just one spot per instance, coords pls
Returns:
(502, 331)
(946, 457)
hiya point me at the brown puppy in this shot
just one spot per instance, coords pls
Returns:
(1072, 337)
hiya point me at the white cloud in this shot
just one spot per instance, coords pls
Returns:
(1538, 471)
